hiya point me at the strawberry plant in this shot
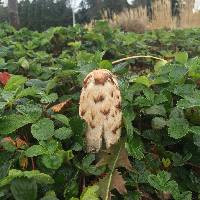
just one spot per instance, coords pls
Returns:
(42, 137)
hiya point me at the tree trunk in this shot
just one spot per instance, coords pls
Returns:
(13, 13)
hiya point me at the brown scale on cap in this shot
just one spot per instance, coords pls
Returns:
(85, 82)
(83, 113)
(118, 106)
(99, 98)
(115, 129)
(92, 125)
(105, 112)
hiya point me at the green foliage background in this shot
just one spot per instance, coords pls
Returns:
(161, 115)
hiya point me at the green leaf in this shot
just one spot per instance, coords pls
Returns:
(179, 160)
(184, 90)
(178, 127)
(156, 110)
(50, 195)
(46, 99)
(162, 182)
(53, 161)
(35, 150)
(196, 139)
(8, 95)
(35, 174)
(39, 177)
(15, 82)
(61, 118)
(105, 64)
(195, 130)
(187, 195)
(194, 68)
(128, 117)
(63, 133)
(144, 80)
(120, 68)
(43, 129)
(11, 123)
(51, 145)
(31, 111)
(88, 167)
(158, 66)
(189, 102)
(24, 63)
(181, 57)
(135, 147)
(23, 189)
(90, 193)
(158, 123)
(31, 91)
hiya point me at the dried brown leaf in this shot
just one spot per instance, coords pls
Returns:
(118, 183)
(107, 157)
(110, 182)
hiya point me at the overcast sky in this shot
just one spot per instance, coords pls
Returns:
(197, 3)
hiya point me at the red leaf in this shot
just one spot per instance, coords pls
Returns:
(4, 77)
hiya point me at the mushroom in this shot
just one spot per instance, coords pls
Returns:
(100, 107)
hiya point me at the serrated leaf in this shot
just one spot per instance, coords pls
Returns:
(63, 133)
(177, 74)
(11, 123)
(61, 118)
(195, 129)
(188, 102)
(24, 63)
(53, 161)
(50, 98)
(178, 127)
(196, 139)
(35, 174)
(35, 150)
(23, 189)
(162, 182)
(158, 123)
(91, 193)
(88, 167)
(128, 117)
(51, 145)
(158, 66)
(50, 195)
(144, 80)
(156, 110)
(15, 82)
(179, 160)
(105, 64)
(135, 147)
(43, 129)
(30, 91)
(39, 177)
(32, 111)
(181, 57)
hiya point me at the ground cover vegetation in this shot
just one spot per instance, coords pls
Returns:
(42, 145)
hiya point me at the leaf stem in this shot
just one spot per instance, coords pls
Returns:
(134, 57)
(111, 174)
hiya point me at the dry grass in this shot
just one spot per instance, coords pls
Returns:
(137, 20)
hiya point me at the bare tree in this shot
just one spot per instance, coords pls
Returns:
(13, 13)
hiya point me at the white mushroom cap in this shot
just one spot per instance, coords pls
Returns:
(100, 107)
